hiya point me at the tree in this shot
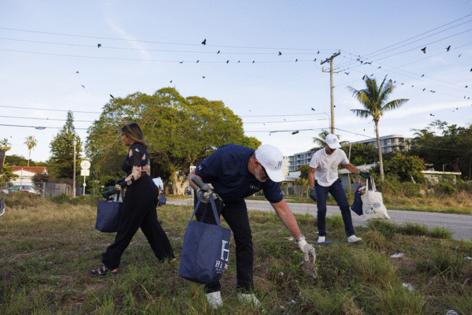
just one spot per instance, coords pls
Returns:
(446, 147)
(320, 139)
(374, 98)
(4, 147)
(405, 167)
(6, 173)
(179, 131)
(61, 163)
(360, 153)
(30, 142)
(14, 159)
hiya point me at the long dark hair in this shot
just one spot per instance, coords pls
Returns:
(133, 131)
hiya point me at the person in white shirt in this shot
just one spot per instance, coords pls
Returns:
(323, 177)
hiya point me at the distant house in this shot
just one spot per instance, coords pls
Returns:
(25, 174)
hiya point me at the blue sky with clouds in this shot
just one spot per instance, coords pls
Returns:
(143, 43)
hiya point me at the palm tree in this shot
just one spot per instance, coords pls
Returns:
(30, 142)
(374, 98)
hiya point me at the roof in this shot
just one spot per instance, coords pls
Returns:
(32, 169)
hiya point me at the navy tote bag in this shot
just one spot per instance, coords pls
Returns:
(108, 216)
(205, 251)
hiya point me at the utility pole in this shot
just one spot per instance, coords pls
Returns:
(331, 87)
(73, 175)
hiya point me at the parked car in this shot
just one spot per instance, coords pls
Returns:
(26, 188)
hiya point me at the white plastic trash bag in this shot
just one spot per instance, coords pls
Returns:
(372, 203)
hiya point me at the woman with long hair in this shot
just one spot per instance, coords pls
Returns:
(139, 205)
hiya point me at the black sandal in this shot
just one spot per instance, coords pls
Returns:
(103, 270)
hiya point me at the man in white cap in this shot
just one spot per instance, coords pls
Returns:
(236, 172)
(323, 177)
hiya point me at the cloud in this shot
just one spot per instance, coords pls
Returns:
(130, 39)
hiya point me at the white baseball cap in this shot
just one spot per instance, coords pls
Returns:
(271, 159)
(332, 141)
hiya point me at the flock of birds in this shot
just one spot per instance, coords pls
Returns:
(424, 50)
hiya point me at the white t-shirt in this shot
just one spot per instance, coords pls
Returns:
(326, 166)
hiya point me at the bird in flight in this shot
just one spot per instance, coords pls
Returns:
(448, 48)
(423, 50)
(204, 42)
(99, 45)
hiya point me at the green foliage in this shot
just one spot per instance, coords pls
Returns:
(6, 175)
(179, 131)
(405, 167)
(304, 170)
(45, 274)
(61, 162)
(375, 101)
(30, 143)
(388, 229)
(445, 262)
(445, 146)
(361, 153)
(445, 188)
(22, 161)
(5, 145)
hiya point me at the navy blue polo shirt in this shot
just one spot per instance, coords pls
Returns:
(226, 169)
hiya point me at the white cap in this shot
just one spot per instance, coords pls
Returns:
(271, 159)
(332, 141)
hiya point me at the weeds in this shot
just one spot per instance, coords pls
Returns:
(47, 249)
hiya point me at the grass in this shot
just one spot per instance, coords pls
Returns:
(47, 249)
(460, 203)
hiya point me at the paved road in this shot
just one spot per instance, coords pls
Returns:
(459, 224)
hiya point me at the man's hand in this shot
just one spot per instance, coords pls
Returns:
(313, 193)
(365, 175)
(203, 194)
(307, 249)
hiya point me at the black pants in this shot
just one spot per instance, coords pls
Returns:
(337, 191)
(237, 218)
(139, 211)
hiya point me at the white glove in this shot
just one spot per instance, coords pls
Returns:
(307, 249)
(203, 194)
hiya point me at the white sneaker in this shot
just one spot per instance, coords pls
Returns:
(321, 239)
(353, 239)
(249, 298)
(214, 299)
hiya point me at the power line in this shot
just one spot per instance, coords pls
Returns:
(413, 48)
(44, 119)
(409, 39)
(176, 61)
(154, 41)
(92, 112)
(49, 109)
(92, 121)
(423, 33)
(38, 127)
(149, 49)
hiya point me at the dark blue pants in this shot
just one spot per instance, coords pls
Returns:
(337, 191)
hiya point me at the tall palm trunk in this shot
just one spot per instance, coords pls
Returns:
(379, 150)
(29, 157)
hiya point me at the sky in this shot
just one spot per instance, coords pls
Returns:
(148, 45)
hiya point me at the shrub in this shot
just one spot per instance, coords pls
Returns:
(440, 232)
(442, 261)
(22, 199)
(445, 188)
(411, 189)
(387, 229)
